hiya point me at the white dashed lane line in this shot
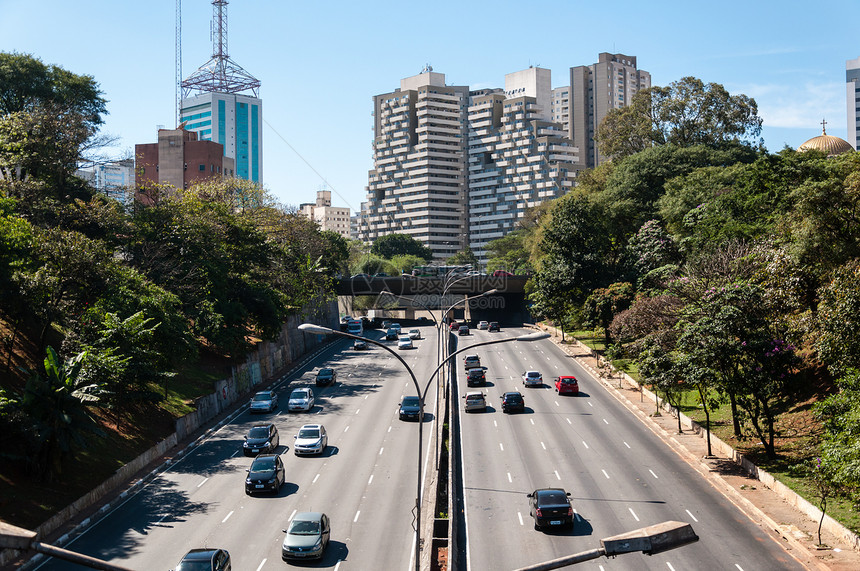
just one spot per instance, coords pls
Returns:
(692, 516)
(314, 481)
(501, 447)
(263, 562)
(605, 474)
(589, 404)
(370, 480)
(355, 519)
(510, 480)
(584, 444)
(653, 474)
(542, 445)
(203, 482)
(669, 565)
(556, 474)
(636, 517)
(226, 517)
(519, 515)
(627, 445)
(380, 450)
(605, 421)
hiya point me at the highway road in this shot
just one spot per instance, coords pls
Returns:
(620, 475)
(366, 481)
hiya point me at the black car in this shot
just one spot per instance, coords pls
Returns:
(326, 376)
(205, 560)
(550, 507)
(513, 402)
(475, 377)
(261, 439)
(392, 334)
(266, 474)
(493, 326)
(410, 408)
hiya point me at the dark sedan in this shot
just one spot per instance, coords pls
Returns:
(513, 402)
(410, 408)
(265, 475)
(326, 376)
(262, 438)
(205, 560)
(550, 507)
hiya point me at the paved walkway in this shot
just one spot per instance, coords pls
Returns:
(767, 509)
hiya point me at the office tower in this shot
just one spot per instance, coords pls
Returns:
(595, 89)
(418, 184)
(221, 103)
(517, 158)
(852, 99)
(112, 178)
(334, 218)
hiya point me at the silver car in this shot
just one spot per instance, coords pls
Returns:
(301, 399)
(532, 379)
(307, 537)
(264, 401)
(311, 439)
(475, 400)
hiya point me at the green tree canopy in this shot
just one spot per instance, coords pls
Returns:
(392, 245)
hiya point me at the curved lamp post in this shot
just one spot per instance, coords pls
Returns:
(320, 330)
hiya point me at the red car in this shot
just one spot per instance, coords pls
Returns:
(567, 385)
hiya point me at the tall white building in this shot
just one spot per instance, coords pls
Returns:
(518, 157)
(852, 100)
(114, 178)
(333, 218)
(418, 184)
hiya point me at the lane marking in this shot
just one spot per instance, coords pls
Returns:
(691, 515)
(556, 403)
(234, 453)
(577, 516)
(380, 450)
(556, 474)
(347, 428)
(389, 429)
(739, 567)
(543, 445)
(226, 517)
(653, 474)
(509, 478)
(589, 403)
(519, 515)
(605, 474)
(584, 444)
(291, 515)
(203, 482)
(263, 562)
(532, 420)
(315, 479)
(370, 480)
(636, 517)
(627, 445)
(338, 564)
(502, 447)
(494, 424)
(357, 411)
(355, 519)
(669, 565)
(568, 421)
(605, 421)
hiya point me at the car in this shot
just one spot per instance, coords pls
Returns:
(307, 537)
(550, 507)
(470, 361)
(355, 327)
(359, 344)
(205, 560)
(454, 325)
(405, 342)
(380, 275)
(264, 401)
(512, 401)
(395, 326)
(311, 439)
(493, 326)
(567, 385)
(475, 377)
(392, 334)
(266, 474)
(463, 330)
(301, 399)
(386, 324)
(410, 408)
(475, 400)
(502, 274)
(261, 439)
(326, 376)
(532, 379)
(415, 334)
(483, 325)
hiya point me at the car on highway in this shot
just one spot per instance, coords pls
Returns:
(264, 401)
(512, 401)
(475, 377)
(463, 330)
(493, 326)
(415, 334)
(307, 536)
(532, 379)
(470, 361)
(391, 334)
(359, 344)
(502, 274)
(326, 376)
(266, 474)
(311, 439)
(261, 439)
(483, 325)
(395, 326)
(405, 342)
(301, 399)
(410, 408)
(454, 326)
(567, 385)
(550, 507)
(475, 400)
(205, 559)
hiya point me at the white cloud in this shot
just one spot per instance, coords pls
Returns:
(799, 106)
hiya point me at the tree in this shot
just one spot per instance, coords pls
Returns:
(604, 304)
(391, 245)
(840, 414)
(465, 257)
(686, 113)
(509, 253)
(839, 320)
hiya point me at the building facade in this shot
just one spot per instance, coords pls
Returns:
(418, 184)
(235, 121)
(596, 89)
(333, 218)
(177, 161)
(852, 100)
(114, 179)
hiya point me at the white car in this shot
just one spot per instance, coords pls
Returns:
(532, 379)
(301, 399)
(415, 334)
(483, 325)
(395, 326)
(311, 439)
(404, 342)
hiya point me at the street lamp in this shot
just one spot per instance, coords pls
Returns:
(320, 330)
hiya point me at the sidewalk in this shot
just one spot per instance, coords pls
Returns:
(762, 505)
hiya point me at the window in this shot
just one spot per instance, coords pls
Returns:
(202, 168)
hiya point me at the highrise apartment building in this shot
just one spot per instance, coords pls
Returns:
(418, 184)
(113, 178)
(596, 89)
(233, 120)
(518, 158)
(333, 218)
(852, 100)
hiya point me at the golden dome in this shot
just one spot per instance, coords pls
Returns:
(827, 144)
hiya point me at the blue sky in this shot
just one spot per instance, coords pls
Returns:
(320, 63)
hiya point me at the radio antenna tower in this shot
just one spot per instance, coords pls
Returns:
(178, 86)
(220, 73)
